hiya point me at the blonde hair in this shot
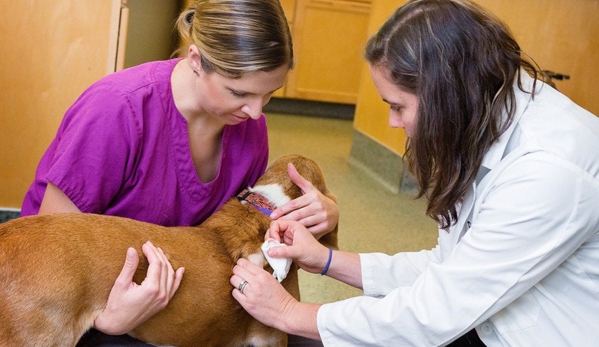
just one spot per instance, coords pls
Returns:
(236, 37)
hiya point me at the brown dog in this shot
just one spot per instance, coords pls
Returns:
(56, 271)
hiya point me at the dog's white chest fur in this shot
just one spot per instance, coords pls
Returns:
(273, 192)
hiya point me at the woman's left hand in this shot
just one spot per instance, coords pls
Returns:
(262, 296)
(130, 304)
(318, 213)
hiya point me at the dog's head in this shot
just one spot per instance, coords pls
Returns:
(277, 187)
(272, 190)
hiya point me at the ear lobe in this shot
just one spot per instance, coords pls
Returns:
(194, 58)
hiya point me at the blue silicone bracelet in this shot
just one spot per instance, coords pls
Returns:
(326, 268)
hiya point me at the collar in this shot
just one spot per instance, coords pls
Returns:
(256, 200)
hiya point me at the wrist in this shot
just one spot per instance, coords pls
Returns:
(108, 327)
(301, 320)
(327, 265)
(104, 326)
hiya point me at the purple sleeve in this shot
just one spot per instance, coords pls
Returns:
(95, 149)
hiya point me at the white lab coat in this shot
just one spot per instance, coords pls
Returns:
(521, 265)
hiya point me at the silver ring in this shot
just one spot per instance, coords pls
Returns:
(242, 286)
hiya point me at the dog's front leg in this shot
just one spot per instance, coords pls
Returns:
(257, 259)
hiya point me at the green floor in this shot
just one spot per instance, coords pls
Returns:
(372, 218)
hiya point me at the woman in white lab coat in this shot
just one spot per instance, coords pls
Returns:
(510, 168)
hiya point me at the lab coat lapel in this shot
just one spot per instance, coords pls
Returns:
(467, 209)
(464, 215)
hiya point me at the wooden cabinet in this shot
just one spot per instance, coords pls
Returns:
(289, 8)
(328, 38)
(328, 43)
(560, 35)
(372, 114)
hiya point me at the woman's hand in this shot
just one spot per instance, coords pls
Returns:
(265, 299)
(130, 304)
(314, 210)
(263, 296)
(311, 255)
(303, 248)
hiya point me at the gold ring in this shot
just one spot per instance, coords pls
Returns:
(242, 286)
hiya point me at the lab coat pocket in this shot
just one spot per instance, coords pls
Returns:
(523, 313)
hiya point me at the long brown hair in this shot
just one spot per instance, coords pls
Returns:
(238, 36)
(461, 62)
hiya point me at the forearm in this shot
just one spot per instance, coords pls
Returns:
(346, 267)
(300, 319)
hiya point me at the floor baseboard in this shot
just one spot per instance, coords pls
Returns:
(382, 164)
(310, 108)
(8, 214)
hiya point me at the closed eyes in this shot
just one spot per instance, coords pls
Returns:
(238, 95)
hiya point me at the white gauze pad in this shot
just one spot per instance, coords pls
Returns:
(280, 265)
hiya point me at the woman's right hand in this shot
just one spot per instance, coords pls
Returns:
(130, 304)
(303, 248)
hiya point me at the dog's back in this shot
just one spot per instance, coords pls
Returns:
(56, 272)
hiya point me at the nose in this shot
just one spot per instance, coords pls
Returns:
(253, 107)
(395, 121)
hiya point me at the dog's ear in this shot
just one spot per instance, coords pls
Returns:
(310, 170)
(313, 173)
(307, 168)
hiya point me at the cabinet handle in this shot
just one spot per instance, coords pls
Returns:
(342, 4)
(323, 2)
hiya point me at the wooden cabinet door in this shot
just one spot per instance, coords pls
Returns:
(51, 51)
(289, 8)
(329, 38)
(372, 114)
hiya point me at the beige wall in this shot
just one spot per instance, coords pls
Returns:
(560, 35)
(51, 52)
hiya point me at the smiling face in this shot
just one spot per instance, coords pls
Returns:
(234, 100)
(403, 105)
